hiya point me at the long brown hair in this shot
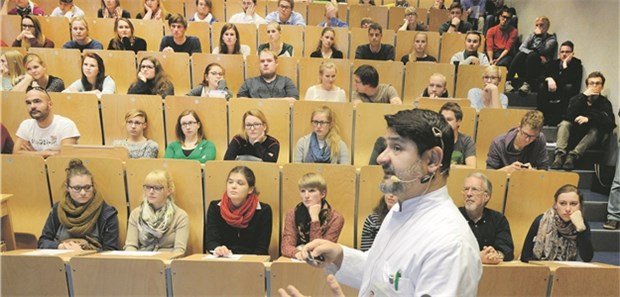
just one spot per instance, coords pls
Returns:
(161, 81)
(117, 42)
(38, 34)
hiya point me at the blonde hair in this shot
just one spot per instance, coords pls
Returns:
(14, 64)
(440, 76)
(324, 66)
(493, 69)
(255, 113)
(333, 136)
(411, 10)
(545, 20)
(161, 177)
(534, 119)
(80, 19)
(132, 113)
(312, 180)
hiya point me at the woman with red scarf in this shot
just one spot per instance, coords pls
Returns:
(238, 223)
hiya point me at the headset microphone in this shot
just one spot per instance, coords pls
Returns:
(424, 179)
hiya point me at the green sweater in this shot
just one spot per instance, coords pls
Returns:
(204, 151)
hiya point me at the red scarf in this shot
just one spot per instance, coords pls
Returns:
(238, 217)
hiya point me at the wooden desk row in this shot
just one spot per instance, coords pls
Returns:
(79, 273)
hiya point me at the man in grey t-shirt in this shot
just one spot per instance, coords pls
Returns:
(464, 152)
(368, 88)
(269, 85)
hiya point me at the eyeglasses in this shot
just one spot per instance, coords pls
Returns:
(489, 77)
(528, 136)
(147, 67)
(25, 26)
(132, 123)
(473, 190)
(186, 124)
(595, 83)
(149, 188)
(504, 16)
(320, 123)
(78, 189)
(253, 126)
(285, 7)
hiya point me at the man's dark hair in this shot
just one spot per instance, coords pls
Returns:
(453, 107)
(456, 5)
(368, 75)
(177, 18)
(427, 129)
(569, 44)
(595, 74)
(375, 26)
(506, 9)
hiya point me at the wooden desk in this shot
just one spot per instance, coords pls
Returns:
(583, 279)
(6, 232)
(307, 279)
(197, 275)
(121, 274)
(33, 273)
(514, 279)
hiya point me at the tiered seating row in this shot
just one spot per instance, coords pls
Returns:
(352, 193)
(359, 125)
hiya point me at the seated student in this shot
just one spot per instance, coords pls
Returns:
(31, 34)
(501, 39)
(285, 14)
(124, 39)
(269, 85)
(112, 9)
(455, 24)
(203, 12)
(191, 143)
(368, 88)
(561, 232)
(211, 86)
(377, 149)
(373, 221)
(152, 79)
(248, 16)
(238, 223)
(589, 117)
(438, 4)
(80, 38)
(93, 78)
(310, 219)
(81, 220)
(324, 144)
(374, 49)
(67, 9)
(26, 7)
(46, 132)
(366, 22)
(331, 16)
(178, 42)
(7, 142)
(11, 69)
(253, 143)
(475, 10)
(158, 224)
(36, 73)
(437, 86)
(136, 143)
(327, 47)
(418, 50)
(464, 152)
(410, 23)
(562, 81)
(536, 50)
(521, 148)
(490, 227)
(275, 44)
(326, 90)
(230, 42)
(471, 55)
(153, 10)
(489, 96)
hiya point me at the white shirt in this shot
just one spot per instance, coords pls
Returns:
(242, 18)
(428, 243)
(43, 139)
(244, 49)
(315, 93)
(73, 12)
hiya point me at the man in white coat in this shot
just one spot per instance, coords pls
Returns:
(424, 246)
